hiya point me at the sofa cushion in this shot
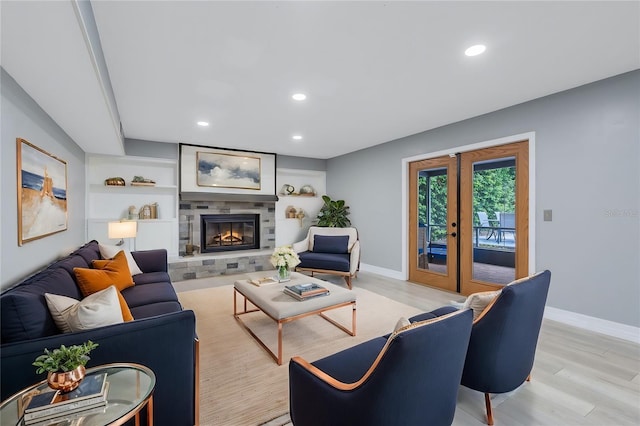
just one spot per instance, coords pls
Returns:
(96, 310)
(24, 312)
(150, 293)
(326, 261)
(338, 244)
(88, 252)
(151, 277)
(154, 309)
(109, 252)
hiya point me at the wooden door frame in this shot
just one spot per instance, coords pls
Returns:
(449, 280)
(518, 150)
(530, 136)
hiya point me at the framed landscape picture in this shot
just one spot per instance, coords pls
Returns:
(42, 192)
(228, 170)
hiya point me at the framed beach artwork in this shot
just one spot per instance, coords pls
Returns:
(42, 192)
(225, 170)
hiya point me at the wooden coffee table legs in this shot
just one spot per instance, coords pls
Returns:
(278, 356)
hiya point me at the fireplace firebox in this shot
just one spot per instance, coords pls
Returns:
(226, 232)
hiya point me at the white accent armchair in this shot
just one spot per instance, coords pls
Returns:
(330, 251)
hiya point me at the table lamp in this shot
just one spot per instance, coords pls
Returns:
(123, 229)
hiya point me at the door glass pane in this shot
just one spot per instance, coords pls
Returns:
(494, 233)
(432, 220)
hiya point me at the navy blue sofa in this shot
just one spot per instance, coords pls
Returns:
(161, 337)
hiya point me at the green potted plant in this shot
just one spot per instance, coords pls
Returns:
(333, 213)
(65, 366)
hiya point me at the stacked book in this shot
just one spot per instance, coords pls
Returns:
(88, 398)
(263, 281)
(305, 291)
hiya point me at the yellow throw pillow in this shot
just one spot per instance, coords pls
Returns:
(108, 272)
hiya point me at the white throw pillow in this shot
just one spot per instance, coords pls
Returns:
(402, 322)
(96, 310)
(479, 301)
(108, 252)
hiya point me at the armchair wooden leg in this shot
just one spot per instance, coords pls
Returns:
(487, 402)
(348, 280)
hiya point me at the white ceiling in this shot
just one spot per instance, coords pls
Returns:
(373, 71)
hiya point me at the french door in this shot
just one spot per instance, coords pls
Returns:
(468, 219)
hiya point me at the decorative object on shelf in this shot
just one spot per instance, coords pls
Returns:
(42, 192)
(133, 213)
(300, 215)
(307, 190)
(283, 259)
(141, 181)
(333, 213)
(154, 210)
(145, 212)
(191, 249)
(290, 213)
(287, 189)
(65, 365)
(122, 229)
(114, 181)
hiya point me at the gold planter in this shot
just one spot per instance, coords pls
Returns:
(66, 381)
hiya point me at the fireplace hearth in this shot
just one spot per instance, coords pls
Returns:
(228, 232)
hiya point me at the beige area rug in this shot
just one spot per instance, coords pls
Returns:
(240, 384)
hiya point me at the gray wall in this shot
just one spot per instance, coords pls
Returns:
(587, 171)
(143, 148)
(23, 118)
(140, 148)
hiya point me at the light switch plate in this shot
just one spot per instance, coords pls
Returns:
(547, 215)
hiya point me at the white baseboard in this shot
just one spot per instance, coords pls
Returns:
(389, 273)
(597, 325)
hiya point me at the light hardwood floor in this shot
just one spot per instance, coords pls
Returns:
(579, 377)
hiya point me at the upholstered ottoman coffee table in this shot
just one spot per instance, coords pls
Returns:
(282, 308)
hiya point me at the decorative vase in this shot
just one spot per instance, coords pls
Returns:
(66, 381)
(283, 274)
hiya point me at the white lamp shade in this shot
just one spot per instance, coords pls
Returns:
(124, 229)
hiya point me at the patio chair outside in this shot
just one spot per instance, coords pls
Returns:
(485, 223)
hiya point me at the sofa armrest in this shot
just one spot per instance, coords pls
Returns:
(164, 343)
(151, 260)
(301, 246)
(354, 259)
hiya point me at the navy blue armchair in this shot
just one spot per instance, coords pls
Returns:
(408, 378)
(504, 338)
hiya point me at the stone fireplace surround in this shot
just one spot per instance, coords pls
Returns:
(233, 262)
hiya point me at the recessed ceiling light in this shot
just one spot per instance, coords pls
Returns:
(297, 137)
(299, 97)
(203, 123)
(475, 50)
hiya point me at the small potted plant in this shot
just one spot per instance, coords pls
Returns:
(65, 365)
(333, 213)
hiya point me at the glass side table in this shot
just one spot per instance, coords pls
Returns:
(130, 390)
